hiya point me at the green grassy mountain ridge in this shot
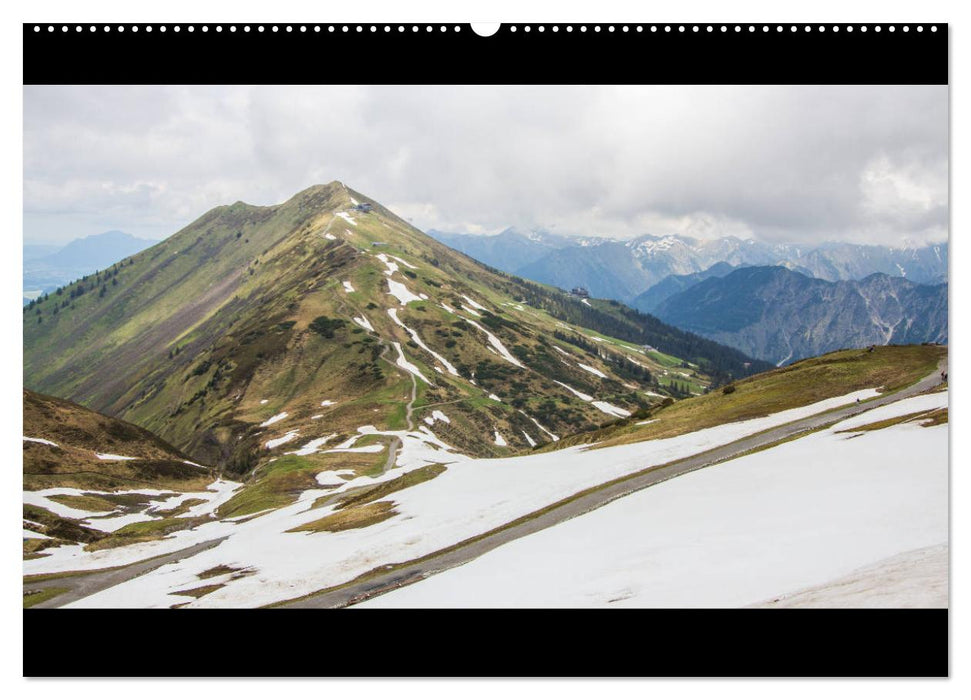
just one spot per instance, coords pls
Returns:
(322, 314)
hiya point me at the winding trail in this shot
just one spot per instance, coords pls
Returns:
(392, 576)
(410, 407)
(329, 223)
(395, 444)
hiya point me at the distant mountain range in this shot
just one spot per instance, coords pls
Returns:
(47, 267)
(507, 251)
(673, 284)
(623, 270)
(779, 315)
(39, 250)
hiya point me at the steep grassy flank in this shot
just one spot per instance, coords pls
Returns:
(888, 368)
(79, 434)
(612, 318)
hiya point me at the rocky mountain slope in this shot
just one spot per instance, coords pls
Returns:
(674, 284)
(781, 315)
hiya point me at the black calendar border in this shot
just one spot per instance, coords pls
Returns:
(579, 54)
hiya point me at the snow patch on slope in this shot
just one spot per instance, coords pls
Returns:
(474, 304)
(276, 442)
(601, 406)
(312, 446)
(610, 409)
(401, 292)
(406, 365)
(579, 394)
(363, 323)
(404, 262)
(392, 267)
(41, 441)
(497, 344)
(551, 436)
(393, 313)
(435, 416)
(592, 370)
(274, 419)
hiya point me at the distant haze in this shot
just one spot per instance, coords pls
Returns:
(47, 267)
(780, 163)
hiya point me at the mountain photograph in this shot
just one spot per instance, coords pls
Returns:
(378, 363)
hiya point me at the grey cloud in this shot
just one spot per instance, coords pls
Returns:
(862, 163)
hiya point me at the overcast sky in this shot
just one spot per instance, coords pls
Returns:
(794, 164)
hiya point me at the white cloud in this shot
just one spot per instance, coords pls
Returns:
(910, 192)
(781, 163)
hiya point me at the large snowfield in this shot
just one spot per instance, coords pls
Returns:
(916, 579)
(800, 514)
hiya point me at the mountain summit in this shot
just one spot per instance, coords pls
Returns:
(249, 330)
